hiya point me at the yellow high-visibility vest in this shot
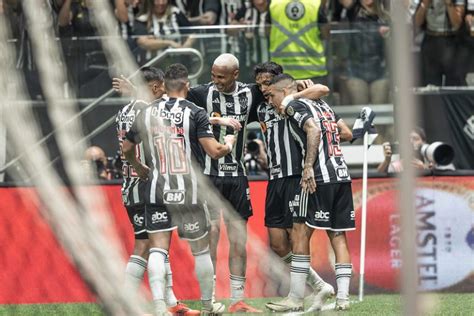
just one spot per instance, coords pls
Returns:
(295, 41)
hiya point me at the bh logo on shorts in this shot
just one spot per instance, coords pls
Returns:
(173, 197)
(191, 227)
(138, 220)
(321, 216)
(159, 217)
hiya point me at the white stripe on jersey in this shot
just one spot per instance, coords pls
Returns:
(277, 147)
(179, 177)
(286, 136)
(153, 158)
(223, 128)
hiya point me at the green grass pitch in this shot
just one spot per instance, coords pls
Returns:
(434, 304)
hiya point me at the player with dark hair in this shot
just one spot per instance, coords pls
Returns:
(174, 134)
(285, 167)
(326, 194)
(133, 188)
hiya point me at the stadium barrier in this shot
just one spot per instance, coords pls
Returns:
(36, 270)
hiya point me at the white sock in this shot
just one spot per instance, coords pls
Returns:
(157, 276)
(204, 272)
(214, 288)
(134, 272)
(170, 298)
(343, 279)
(299, 272)
(314, 280)
(287, 258)
(237, 286)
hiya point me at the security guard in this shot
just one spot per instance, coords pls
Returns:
(295, 38)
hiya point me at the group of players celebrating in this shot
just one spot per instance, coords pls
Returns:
(179, 141)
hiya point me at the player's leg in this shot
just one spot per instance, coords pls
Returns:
(193, 226)
(236, 224)
(342, 220)
(300, 260)
(158, 226)
(215, 231)
(159, 247)
(137, 262)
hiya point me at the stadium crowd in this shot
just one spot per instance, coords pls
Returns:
(349, 39)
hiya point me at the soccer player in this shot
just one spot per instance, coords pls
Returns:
(229, 104)
(326, 185)
(285, 167)
(132, 189)
(174, 134)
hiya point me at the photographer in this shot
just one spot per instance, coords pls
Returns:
(419, 161)
(105, 167)
(255, 155)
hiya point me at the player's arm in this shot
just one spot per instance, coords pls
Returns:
(129, 148)
(216, 150)
(313, 134)
(312, 92)
(226, 121)
(345, 133)
(211, 146)
(130, 154)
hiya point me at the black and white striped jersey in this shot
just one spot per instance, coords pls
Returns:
(283, 152)
(169, 131)
(131, 194)
(240, 105)
(330, 166)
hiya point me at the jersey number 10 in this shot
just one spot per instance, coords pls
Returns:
(172, 155)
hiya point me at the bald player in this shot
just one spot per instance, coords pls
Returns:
(230, 105)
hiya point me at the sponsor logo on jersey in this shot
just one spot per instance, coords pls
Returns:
(342, 172)
(174, 197)
(238, 117)
(228, 167)
(128, 118)
(321, 216)
(174, 116)
(275, 170)
(138, 220)
(191, 227)
(159, 217)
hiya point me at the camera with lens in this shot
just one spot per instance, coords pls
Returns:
(437, 153)
(252, 153)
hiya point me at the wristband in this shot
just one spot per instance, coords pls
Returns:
(287, 100)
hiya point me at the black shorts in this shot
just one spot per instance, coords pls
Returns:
(136, 215)
(280, 195)
(192, 220)
(236, 191)
(335, 210)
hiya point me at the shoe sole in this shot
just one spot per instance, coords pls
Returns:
(280, 309)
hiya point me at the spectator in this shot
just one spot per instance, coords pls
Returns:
(234, 42)
(367, 81)
(464, 57)
(296, 38)
(160, 27)
(256, 38)
(200, 12)
(83, 51)
(126, 12)
(442, 19)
